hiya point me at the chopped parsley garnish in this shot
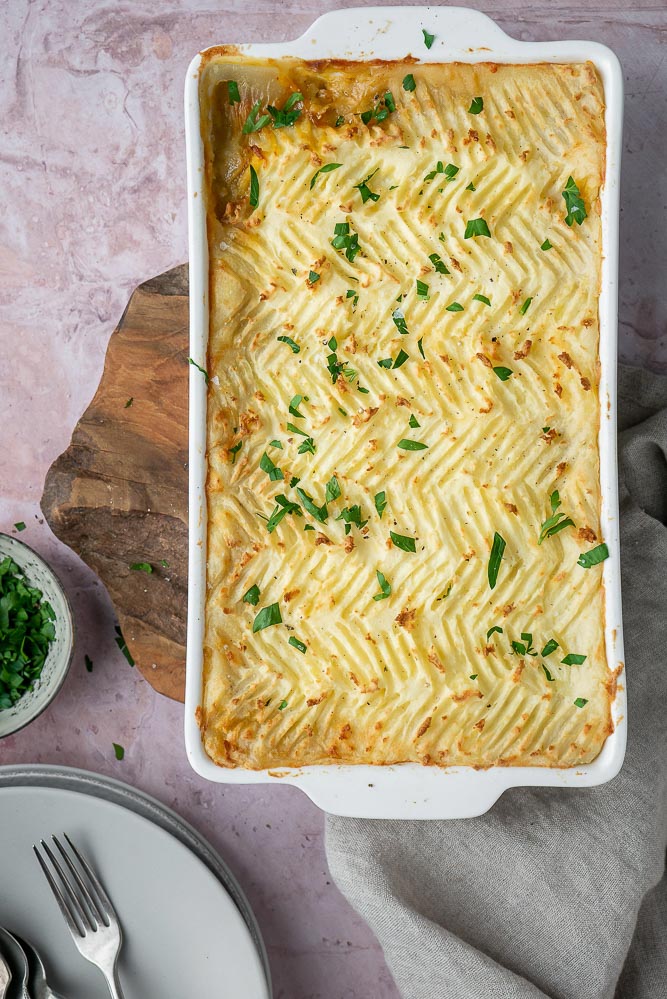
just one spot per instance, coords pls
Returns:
(308, 527)
(481, 298)
(351, 293)
(296, 644)
(576, 209)
(380, 503)
(385, 587)
(408, 445)
(235, 450)
(320, 513)
(399, 360)
(252, 122)
(295, 348)
(332, 490)
(274, 473)
(294, 406)
(382, 109)
(495, 558)
(118, 750)
(428, 38)
(88, 663)
(142, 567)
(282, 705)
(547, 673)
(365, 191)
(199, 368)
(294, 481)
(550, 647)
(343, 239)
(254, 188)
(129, 402)
(267, 617)
(471, 187)
(573, 659)
(233, 92)
(422, 291)
(449, 172)
(20, 525)
(545, 430)
(409, 82)
(503, 373)
(526, 305)
(26, 632)
(295, 430)
(122, 645)
(546, 245)
(420, 344)
(307, 446)
(477, 105)
(164, 563)
(352, 515)
(289, 113)
(252, 595)
(580, 702)
(327, 168)
(454, 307)
(281, 509)
(438, 263)
(404, 543)
(413, 421)
(557, 522)
(593, 557)
(399, 322)
(492, 631)
(340, 120)
(476, 227)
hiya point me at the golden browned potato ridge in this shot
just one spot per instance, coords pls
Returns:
(313, 504)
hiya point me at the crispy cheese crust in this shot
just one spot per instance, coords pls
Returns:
(412, 676)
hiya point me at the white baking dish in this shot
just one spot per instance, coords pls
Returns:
(409, 790)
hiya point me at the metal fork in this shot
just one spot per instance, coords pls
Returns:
(86, 909)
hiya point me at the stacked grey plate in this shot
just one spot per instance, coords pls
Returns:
(188, 927)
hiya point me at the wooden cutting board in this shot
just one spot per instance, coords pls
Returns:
(119, 494)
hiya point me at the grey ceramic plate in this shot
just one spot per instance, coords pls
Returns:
(40, 574)
(185, 936)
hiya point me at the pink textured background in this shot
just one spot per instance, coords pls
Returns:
(93, 182)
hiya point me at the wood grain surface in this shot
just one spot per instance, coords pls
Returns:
(119, 494)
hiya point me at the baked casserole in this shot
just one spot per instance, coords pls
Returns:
(404, 544)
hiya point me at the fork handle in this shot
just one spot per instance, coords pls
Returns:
(113, 983)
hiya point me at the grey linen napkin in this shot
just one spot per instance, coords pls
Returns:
(551, 893)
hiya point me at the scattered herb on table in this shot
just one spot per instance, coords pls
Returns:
(88, 663)
(122, 645)
(20, 526)
(26, 632)
(129, 402)
(118, 750)
(142, 567)
(428, 38)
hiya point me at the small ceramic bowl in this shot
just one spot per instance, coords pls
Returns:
(59, 656)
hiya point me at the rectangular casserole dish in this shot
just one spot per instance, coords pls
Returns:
(409, 790)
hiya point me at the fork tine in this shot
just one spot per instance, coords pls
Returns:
(109, 910)
(89, 896)
(72, 923)
(75, 902)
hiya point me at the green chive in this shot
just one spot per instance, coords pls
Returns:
(233, 92)
(481, 298)
(327, 168)
(203, 370)
(142, 567)
(526, 305)
(495, 558)
(408, 445)
(492, 631)
(593, 557)
(296, 644)
(454, 307)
